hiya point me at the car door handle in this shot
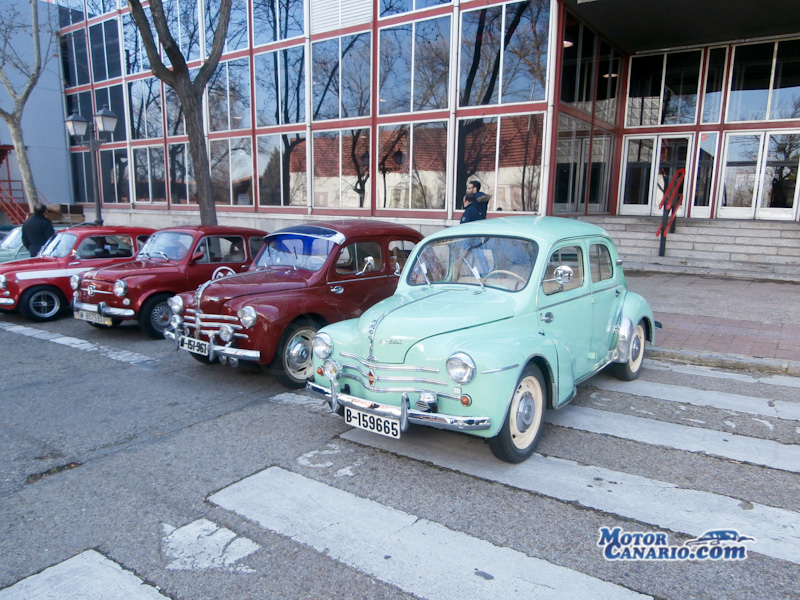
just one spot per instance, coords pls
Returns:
(337, 289)
(547, 317)
(617, 293)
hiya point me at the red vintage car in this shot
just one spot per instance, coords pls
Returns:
(39, 287)
(305, 277)
(173, 260)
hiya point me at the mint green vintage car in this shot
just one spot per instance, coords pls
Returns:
(492, 322)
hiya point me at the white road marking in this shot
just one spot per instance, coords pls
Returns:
(203, 545)
(87, 576)
(131, 358)
(682, 437)
(687, 395)
(658, 503)
(387, 543)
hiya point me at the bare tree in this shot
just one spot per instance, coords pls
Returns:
(190, 91)
(13, 30)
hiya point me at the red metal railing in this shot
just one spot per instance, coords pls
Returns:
(670, 203)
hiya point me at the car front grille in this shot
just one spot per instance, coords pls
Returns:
(390, 378)
(203, 324)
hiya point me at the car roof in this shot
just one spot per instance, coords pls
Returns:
(109, 229)
(352, 228)
(216, 230)
(545, 230)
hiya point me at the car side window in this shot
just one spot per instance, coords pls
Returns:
(399, 251)
(106, 246)
(255, 244)
(353, 258)
(600, 263)
(564, 261)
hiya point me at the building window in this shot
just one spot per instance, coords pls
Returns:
(104, 40)
(232, 171)
(149, 176)
(280, 87)
(605, 100)
(182, 188)
(82, 104)
(415, 66)
(144, 99)
(175, 117)
(183, 22)
(74, 58)
(229, 96)
(663, 89)
(388, 8)
(237, 35)
(282, 170)
(114, 184)
(715, 77)
(95, 8)
(275, 20)
(341, 168)
(503, 56)
(112, 98)
(752, 71)
(341, 77)
(136, 59)
(785, 102)
(81, 176)
(70, 12)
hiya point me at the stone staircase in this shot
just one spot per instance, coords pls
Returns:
(754, 250)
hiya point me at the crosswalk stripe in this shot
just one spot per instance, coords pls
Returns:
(682, 437)
(658, 503)
(393, 546)
(715, 373)
(87, 576)
(125, 356)
(687, 395)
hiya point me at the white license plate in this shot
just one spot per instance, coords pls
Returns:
(375, 424)
(92, 317)
(193, 345)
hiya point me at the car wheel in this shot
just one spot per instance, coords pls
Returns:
(41, 303)
(628, 371)
(525, 418)
(154, 316)
(292, 364)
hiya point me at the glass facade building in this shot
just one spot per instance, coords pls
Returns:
(387, 108)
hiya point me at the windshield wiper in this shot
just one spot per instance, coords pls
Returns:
(475, 273)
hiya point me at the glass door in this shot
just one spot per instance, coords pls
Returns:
(760, 177)
(654, 165)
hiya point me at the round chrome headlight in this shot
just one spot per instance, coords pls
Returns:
(3, 282)
(322, 345)
(247, 315)
(461, 368)
(226, 333)
(75, 282)
(175, 305)
(120, 288)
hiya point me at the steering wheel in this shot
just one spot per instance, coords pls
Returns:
(504, 272)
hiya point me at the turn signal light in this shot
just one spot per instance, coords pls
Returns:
(466, 400)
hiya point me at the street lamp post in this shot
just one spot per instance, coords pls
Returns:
(105, 121)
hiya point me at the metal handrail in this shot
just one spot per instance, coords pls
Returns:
(670, 203)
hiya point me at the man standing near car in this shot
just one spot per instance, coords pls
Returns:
(36, 230)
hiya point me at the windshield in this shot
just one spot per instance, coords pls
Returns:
(13, 240)
(296, 251)
(59, 245)
(495, 262)
(170, 245)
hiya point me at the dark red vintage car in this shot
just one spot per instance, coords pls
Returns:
(305, 277)
(40, 286)
(173, 260)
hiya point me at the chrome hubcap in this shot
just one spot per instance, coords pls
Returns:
(298, 354)
(526, 409)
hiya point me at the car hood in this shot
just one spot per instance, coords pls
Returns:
(394, 325)
(150, 267)
(37, 263)
(217, 292)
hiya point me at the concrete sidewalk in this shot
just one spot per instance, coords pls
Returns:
(730, 323)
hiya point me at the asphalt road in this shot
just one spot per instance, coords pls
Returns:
(130, 467)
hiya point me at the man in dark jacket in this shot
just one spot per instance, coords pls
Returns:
(36, 230)
(474, 209)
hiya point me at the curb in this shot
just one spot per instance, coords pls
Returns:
(726, 361)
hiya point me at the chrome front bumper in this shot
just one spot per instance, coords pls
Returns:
(216, 350)
(402, 413)
(7, 302)
(103, 309)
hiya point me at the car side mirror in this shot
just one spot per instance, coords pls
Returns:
(197, 257)
(563, 274)
(369, 265)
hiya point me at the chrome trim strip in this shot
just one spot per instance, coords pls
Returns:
(103, 309)
(389, 367)
(7, 301)
(417, 417)
(235, 352)
(393, 378)
(500, 370)
(396, 390)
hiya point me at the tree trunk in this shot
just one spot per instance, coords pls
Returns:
(22, 160)
(193, 111)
